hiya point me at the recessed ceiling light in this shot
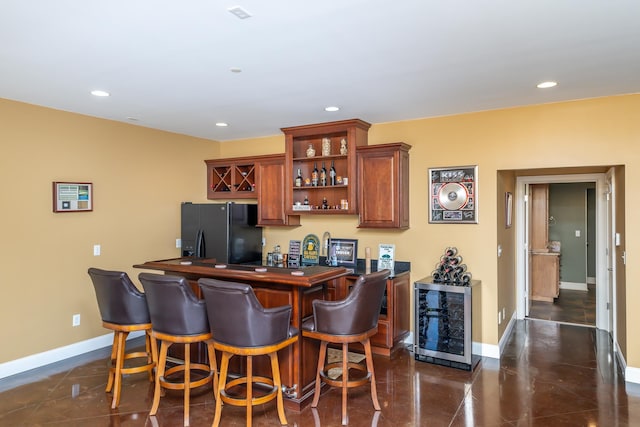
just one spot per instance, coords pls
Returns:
(235, 70)
(239, 12)
(221, 124)
(99, 93)
(331, 108)
(546, 85)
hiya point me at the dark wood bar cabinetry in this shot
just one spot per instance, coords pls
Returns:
(383, 186)
(273, 287)
(272, 193)
(394, 320)
(304, 152)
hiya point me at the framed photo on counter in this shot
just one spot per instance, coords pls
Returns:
(343, 252)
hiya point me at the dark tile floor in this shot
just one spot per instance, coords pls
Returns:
(571, 306)
(550, 374)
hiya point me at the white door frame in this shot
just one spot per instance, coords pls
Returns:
(602, 289)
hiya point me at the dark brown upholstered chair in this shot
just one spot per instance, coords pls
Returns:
(123, 309)
(178, 317)
(241, 326)
(351, 320)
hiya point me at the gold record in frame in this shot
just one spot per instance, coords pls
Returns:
(453, 197)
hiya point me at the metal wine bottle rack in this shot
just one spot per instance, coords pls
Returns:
(443, 323)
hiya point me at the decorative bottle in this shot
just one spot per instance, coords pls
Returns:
(332, 174)
(311, 152)
(298, 182)
(314, 175)
(323, 176)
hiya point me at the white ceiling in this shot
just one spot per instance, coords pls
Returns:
(167, 64)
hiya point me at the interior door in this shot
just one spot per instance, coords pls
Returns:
(527, 251)
(611, 257)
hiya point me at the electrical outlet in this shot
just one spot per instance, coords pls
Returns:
(75, 320)
(178, 243)
(96, 250)
(499, 317)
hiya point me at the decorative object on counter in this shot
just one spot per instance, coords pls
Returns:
(386, 257)
(326, 146)
(277, 257)
(343, 252)
(451, 270)
(453, 195)
(367, 260)
(310, 250)
(311, 152)
(293, 261)
(72, 196)
(343, 146)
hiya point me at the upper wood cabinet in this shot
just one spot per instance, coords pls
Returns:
(304, 153)
(271, 192)
(383, 185)
(231, 178)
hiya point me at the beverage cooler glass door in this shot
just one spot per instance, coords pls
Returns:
(443, 321)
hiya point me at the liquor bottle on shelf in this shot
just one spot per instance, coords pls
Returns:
(306, 201)
(323, 176)
(298, 182)
(314, 175)
(325, 204)
(332, 174)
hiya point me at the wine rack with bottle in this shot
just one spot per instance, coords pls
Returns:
(330, 145)
(231, 179)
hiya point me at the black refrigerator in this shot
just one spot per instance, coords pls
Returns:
(224, 231)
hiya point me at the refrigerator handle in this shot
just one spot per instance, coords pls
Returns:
(200, 245)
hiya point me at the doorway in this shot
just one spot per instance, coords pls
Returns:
(523, 291)
(568, 230)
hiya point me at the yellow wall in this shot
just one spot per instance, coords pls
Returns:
(141, 175)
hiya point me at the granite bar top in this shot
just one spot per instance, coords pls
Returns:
(400, 266)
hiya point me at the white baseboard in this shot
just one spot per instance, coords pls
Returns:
(574, 286)
(57, 354)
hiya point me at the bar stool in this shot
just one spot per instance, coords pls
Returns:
(123, 309)
(351, 320)
(178, 317)
(241, 326)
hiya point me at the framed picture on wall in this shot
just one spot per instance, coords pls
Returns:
(508, 209)
(453, 195)
(72, 196)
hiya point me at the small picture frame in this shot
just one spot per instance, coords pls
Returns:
(508, 209)
(343, 252)
(72, 197)
(453, 195)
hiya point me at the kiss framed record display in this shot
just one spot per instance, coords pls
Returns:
(453, 197)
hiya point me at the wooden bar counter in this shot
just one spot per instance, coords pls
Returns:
(273, 287)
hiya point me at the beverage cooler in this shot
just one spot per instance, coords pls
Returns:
(443, 323)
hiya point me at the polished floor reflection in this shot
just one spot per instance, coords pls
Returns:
(571, 306)
(550, 374)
